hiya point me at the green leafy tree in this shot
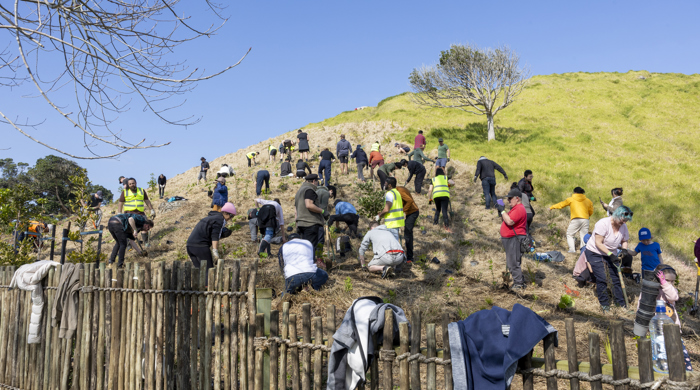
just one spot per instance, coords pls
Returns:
(471, 79)
(18, 206)
(12, 173)
(51, 181)
(371, 201)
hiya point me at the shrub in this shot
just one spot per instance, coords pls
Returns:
(371, 201)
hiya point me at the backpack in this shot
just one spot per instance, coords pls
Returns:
(267, 217)
(252, 213)
(343, 245)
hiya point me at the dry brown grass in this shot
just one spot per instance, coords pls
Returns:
(468, 252)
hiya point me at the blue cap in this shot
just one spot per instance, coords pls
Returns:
(644, 234)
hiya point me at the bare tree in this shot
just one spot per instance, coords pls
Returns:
(481, 82)
(104, 52)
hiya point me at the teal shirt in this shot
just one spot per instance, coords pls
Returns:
(419, 156)
(442, 150)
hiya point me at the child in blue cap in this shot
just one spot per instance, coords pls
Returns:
(650, 250)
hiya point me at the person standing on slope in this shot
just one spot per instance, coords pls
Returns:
(512, 229)
(133, 200)
(207, 234)
(443, 156)
(308, 215)
(343, 149)
(485, 171)
(360, 158)
(203, 168)
(525, 186)
(581, 211)
(220, 195)
(439, 192)
(375, 160)
(394, 217)
(419, 141)
(303, 145)
(614, 203)
(324, 167)
(162, 181)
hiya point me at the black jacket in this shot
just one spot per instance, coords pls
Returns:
(525, 187)
(327, 155)
(207, 230)
(485, 168)
(414, 168)
(286, 168)
(360, 156)
(162, 180)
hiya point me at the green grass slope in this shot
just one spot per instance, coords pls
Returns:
(636, 130)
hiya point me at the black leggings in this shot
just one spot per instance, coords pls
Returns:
(382, 178)
(121, 240)
(441, 204)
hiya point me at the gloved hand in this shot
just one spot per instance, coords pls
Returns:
(364, 268)
(405, 184)
(430, 201)
(662, 277)
(475, 180)
(153, 213)
(624, 252)
(377, 218)
(215, 253)
(614, 258)
(533, 199)
(500, 207)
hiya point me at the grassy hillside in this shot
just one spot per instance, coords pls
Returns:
(636, 130)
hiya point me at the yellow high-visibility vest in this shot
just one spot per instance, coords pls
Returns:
(440, 187)
(375, 147)
(395, 217)
(271, 148)
(134, 201)
(250, 155)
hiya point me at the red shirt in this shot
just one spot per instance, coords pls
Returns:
(519, 216)
(419, 141)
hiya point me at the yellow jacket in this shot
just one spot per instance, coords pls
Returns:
(581, 207)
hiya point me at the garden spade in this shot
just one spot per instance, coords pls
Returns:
(694, 309)
(331, 250)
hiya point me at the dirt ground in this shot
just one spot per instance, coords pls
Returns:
(468, 277)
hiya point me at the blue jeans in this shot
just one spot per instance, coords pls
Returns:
(489, 186)
(269, 233)
(294, 284)
(262, 177)
(598, 264)
(324, 168)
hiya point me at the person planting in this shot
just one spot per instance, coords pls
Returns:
(387, 250)
(608, 234)
(206, 234)
(296, 261)
(124, 227)
(581, 210)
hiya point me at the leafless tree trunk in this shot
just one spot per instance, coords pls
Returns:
(105, 52)
(477, 81)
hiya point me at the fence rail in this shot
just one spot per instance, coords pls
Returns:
(166, 328)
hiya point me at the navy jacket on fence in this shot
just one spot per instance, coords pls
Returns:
(485, 352)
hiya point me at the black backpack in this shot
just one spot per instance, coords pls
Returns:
(267, 217)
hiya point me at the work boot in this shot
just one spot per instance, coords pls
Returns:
(264, 247)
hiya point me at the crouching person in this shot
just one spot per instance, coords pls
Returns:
(296, 260)
(388, 253)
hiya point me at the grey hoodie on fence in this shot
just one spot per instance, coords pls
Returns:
(353, 350)
(65, 305)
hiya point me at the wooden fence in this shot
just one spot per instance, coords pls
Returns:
(161, 328)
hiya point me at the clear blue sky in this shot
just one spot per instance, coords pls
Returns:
(313, 60)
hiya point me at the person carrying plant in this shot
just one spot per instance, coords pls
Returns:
(207, 234)
(394, 217)
(513, 229)
(609, 234)
(343, 150)
(386, 247)
(360, 158)
(251, 158)
(581, 211)
(124, 227)
(296, 261)
(439, 192)
(133, 200)
(485, 170)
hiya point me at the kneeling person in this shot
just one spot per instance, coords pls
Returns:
(345, 212)
(296, 260)
(387, 250)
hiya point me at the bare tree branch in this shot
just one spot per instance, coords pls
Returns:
(110, 50)
(477, 81)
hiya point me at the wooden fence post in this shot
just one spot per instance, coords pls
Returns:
(388, 346)
(525, 363)
(243, 333)
(100, 331)
(447, 369)
(571, 351)
(294, 351)
(226, 327)
(404, 337)
(263, 304)
(318, 354)
(207, 371)
(259, 330)
(549, 361)
(283, 347)
(160, 310)
(114, 344)
(274, 351)
(194, 329)
(183, 332)
(646, 373)
(619, 352)
(306, 353)
(235, 321)
(64, 241)
(251, 322)
(415, 348)
(216, 354)
(674, 352)
(594, 358)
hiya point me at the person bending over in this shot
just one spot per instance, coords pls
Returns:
(388, 253)
(296, 261)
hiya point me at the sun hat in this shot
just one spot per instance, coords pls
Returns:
(229, 208)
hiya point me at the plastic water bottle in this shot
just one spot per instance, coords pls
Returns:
(656, 331)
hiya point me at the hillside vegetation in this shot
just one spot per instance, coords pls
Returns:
(635, 130)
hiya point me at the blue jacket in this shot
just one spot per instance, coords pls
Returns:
(360, 156)
(345, 208)
(220, 196)
(484, 354)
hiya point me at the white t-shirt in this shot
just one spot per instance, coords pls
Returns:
(298, 255)
(389, 197)
(611, 239)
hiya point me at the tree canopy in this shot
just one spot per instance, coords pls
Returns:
(471, 79)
